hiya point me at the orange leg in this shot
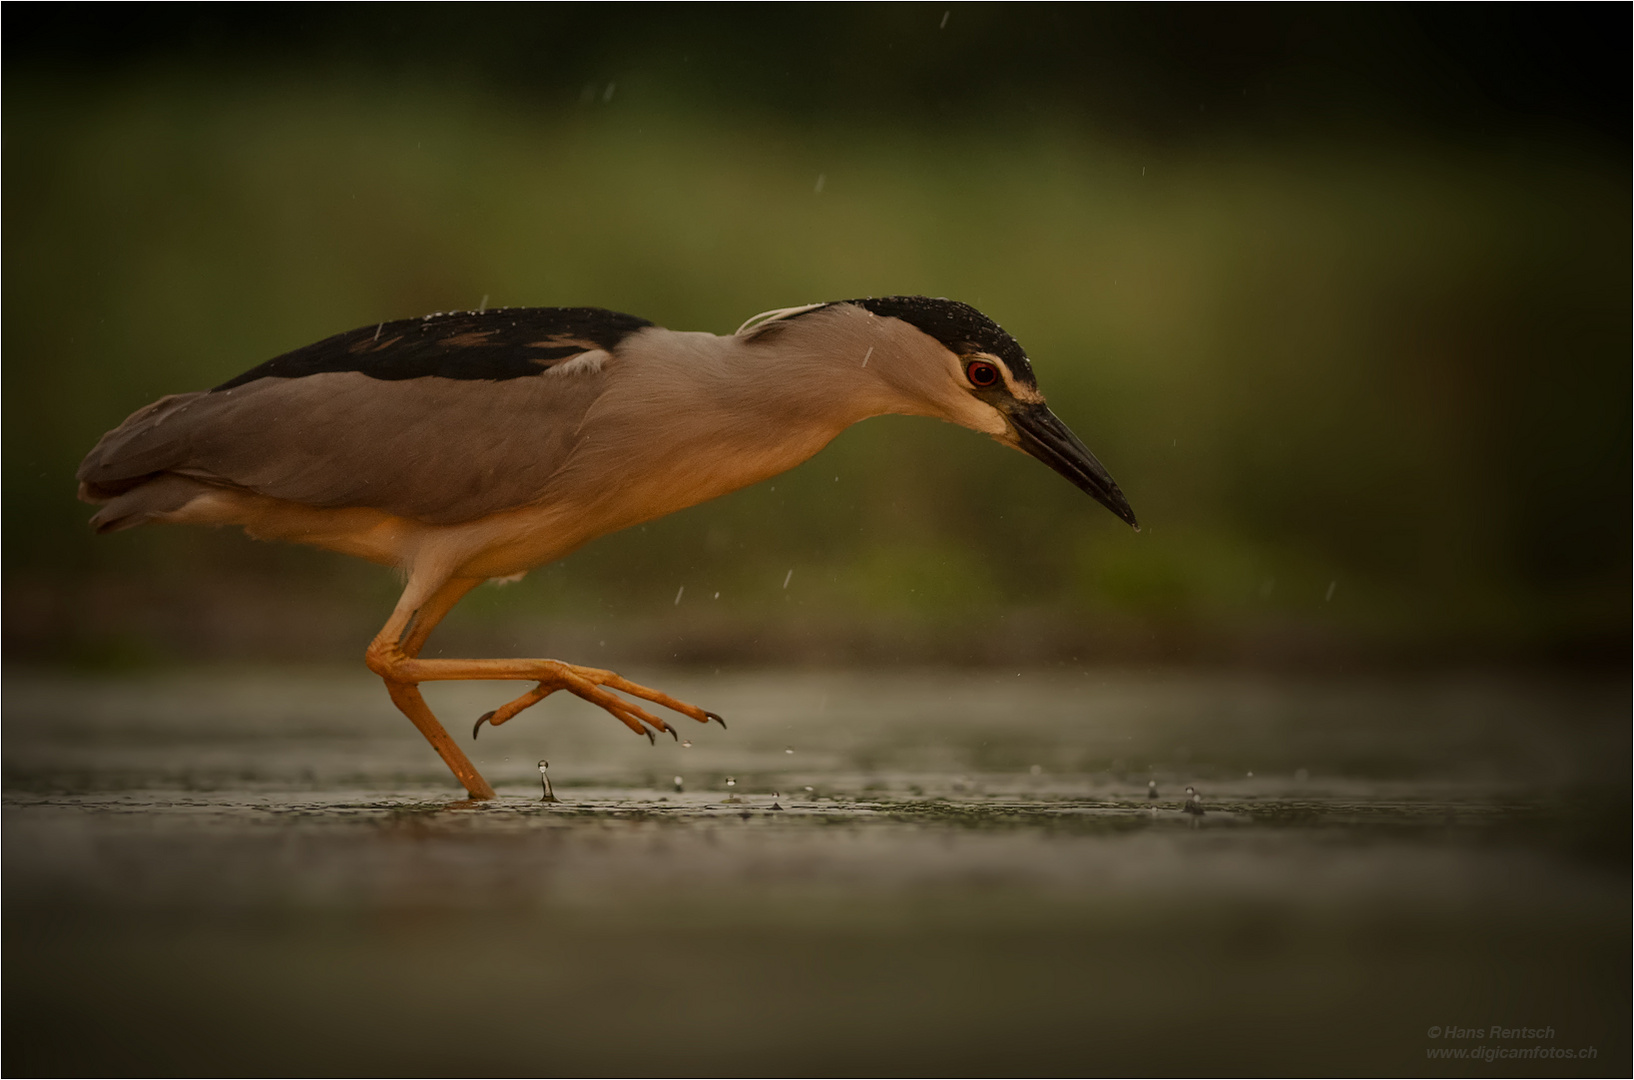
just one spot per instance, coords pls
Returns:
(394, 656)
(405, 633)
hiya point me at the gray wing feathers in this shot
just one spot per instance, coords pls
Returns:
(437, 450)
(144, 444)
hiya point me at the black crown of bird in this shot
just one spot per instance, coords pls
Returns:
(467, 446)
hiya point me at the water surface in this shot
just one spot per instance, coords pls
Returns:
(260, 871)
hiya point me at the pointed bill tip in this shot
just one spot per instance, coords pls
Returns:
(1041, 433)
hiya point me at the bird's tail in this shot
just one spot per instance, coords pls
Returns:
(151, 499)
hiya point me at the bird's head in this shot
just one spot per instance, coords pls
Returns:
(945, 359)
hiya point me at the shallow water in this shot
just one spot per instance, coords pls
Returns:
(252, 871)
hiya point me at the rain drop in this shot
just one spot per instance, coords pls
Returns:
(1194, 803)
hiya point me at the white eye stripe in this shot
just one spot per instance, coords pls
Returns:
(1021, 391)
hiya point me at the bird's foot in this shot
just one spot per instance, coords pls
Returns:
(589, 683)
(495, 717)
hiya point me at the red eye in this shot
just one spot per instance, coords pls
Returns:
(982, 374)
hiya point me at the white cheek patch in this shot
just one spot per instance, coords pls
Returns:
(979, 416)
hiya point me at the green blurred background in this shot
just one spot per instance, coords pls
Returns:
(1341, 296)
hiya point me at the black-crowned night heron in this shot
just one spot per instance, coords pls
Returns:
(469, 446)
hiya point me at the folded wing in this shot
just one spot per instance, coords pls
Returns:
(443, 420)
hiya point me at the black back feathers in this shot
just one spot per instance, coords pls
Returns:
(505, 343)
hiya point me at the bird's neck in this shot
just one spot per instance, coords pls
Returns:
(824, 371)
(688, 417)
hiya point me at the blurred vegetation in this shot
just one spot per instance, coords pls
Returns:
(1362, 370)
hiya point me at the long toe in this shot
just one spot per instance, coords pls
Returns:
(657, 697)
(495, 717)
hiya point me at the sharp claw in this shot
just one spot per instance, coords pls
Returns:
(651, 739)
(715, 717)
(671, 730)
(483, 719)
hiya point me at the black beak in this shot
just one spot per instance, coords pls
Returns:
(1041, 433)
